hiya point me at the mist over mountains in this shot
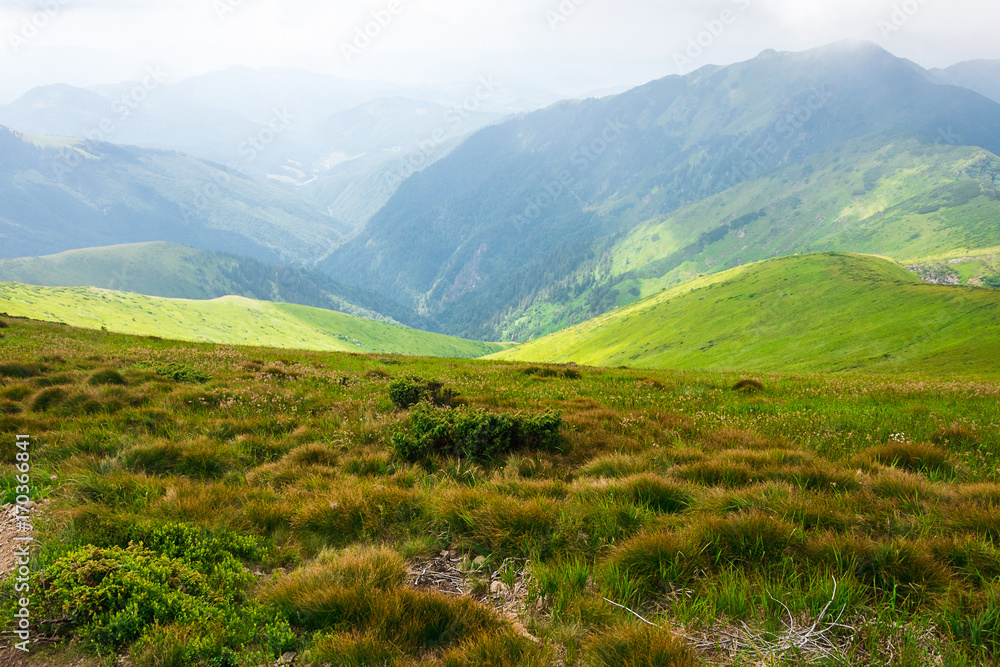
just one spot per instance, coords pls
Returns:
(490, 217)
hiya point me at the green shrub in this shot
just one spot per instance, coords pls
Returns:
(108, 376)
(407, 392)
(178, 372)
(114, 595)
(538, 371)
(475, 434)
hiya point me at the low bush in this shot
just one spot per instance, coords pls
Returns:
(475, 434)
(407, 392)
(538, 371)
(113, 596)
(178, 372)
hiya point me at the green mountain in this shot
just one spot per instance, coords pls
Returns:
(61, 194)
(899, 198)
(822, 312)
(520, 208)
(176, 271)
(230, 320)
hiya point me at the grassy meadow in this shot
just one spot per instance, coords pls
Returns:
(218, 505)
(230, 320)
(826, 312)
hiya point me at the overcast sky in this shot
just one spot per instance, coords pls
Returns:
(570, 46)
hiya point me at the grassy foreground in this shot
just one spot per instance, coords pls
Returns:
(212, 505)
(230, 320)
(808, 313)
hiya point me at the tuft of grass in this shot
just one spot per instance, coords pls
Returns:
(748, 386)
(358, 598)
(19, 371)
(639, 646)
(657, 494)
(201, 458)
(48, 399)
(914, 457)
(108, 376)
(955, 435)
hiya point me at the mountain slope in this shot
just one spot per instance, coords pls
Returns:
(825, 312)
(176, 271)
(229, 320)
(982, 76)
(519, 206)
(60, 195)
(900, 198)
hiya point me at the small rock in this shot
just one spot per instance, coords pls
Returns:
(498, 588)
(287, 658)
(479, 562)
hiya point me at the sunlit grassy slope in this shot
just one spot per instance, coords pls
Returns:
(229, 320)
(824, 312)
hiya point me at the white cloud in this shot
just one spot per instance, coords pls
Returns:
(91, 41)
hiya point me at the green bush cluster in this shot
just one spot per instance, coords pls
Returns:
(475, 434)
(178, 594)
(407, 392)
(178, 372)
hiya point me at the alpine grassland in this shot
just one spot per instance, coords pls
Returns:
(231, 320)
(824, 312)
(214, 505)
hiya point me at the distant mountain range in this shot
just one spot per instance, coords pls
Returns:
(491, 221)
(58, 195)
(348, 144)
(538, 204)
